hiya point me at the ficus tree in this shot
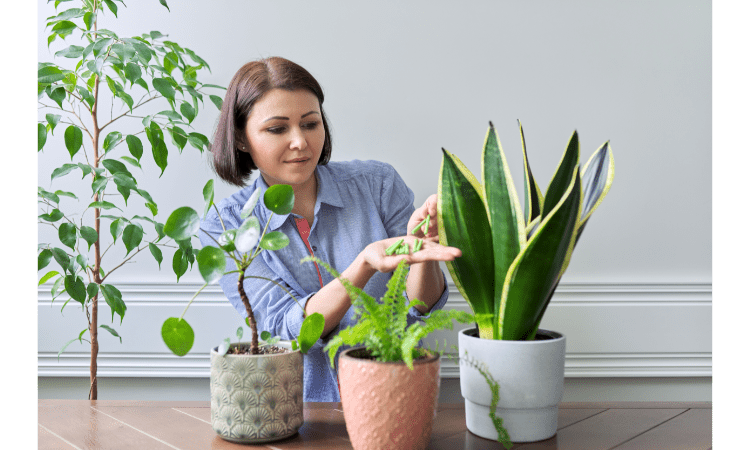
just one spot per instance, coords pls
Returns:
(124, 73)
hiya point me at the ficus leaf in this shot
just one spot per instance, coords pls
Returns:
(41, 135)
(216, 100)
(164, 87)
(63, 170)
(75, 288)
(73, 140)
(208, 196)
(67, 234)
(187, 110)
(61, 258)
(92, 290)
(48, 276)
(90, 235)
(164, 2)
(111, 331)
(135, 146)
(179, 263)
(57, 95)
(116, 227)
(53, 216)
(111, 140)
(156, 252)
(53, 120)
(44, 258)
(132, 236)
(49, 75)
(113, 297)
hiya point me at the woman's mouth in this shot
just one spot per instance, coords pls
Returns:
(297, 160)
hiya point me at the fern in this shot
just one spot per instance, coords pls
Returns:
(382, 326)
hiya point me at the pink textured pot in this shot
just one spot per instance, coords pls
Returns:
(387, 405)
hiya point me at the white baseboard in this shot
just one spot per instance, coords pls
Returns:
(612, 330)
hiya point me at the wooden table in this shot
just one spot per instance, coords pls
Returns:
(129, 425)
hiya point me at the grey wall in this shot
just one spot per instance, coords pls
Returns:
(404, 79)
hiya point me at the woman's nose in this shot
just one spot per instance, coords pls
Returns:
(298, 139)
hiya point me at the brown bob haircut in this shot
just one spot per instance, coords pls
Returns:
(248, 85)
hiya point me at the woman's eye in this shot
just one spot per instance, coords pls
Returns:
(310, 125)
(276, 130)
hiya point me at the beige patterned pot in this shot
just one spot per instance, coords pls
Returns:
(387, 405)
(256, 398)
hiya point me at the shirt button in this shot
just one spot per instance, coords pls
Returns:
(315, 249)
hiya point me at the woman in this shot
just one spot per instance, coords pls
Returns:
(345, 213)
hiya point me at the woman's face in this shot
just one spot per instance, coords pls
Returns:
(285, 135)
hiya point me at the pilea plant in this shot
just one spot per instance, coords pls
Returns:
(512, 261)
(381, 325)
(242, 246)
(140, 70)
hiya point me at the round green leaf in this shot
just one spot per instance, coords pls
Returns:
(41, 135)
(226, 240)
(89, 234)
(67, 234)
(182, 223)
(265, 335)
(132, 236)
(178, 335)
(275, 240)
(73, 140)
(312, 328)
(250, 204)
(247, 235)
(211, 264)
(279, 198)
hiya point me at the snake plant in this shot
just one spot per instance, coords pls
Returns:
(512, 258)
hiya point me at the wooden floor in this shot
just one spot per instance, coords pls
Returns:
(128, 425)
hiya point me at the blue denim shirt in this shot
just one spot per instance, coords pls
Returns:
(358, 202)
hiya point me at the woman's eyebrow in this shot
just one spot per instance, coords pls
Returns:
(287, 118)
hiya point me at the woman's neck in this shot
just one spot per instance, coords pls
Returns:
(305, 196)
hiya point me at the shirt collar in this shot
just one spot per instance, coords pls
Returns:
(328, 193)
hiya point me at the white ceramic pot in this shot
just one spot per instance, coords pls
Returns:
(530, 375)
(256, 398)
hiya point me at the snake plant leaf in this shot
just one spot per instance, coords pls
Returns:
(532, 194)
(463, 223)
(506, 219)
(598, 174)
(537, 269)
(563, 175)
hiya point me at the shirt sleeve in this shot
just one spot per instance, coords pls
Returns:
(274, 308)
(396, 202)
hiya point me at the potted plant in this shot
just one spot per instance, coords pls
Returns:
(511, 265)
(389, 386)
(256, 387)
(121, 75)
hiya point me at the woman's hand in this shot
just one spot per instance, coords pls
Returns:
(374, 254)
(428, 208)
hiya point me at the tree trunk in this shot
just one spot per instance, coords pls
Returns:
(93, 323)
(251, 317)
